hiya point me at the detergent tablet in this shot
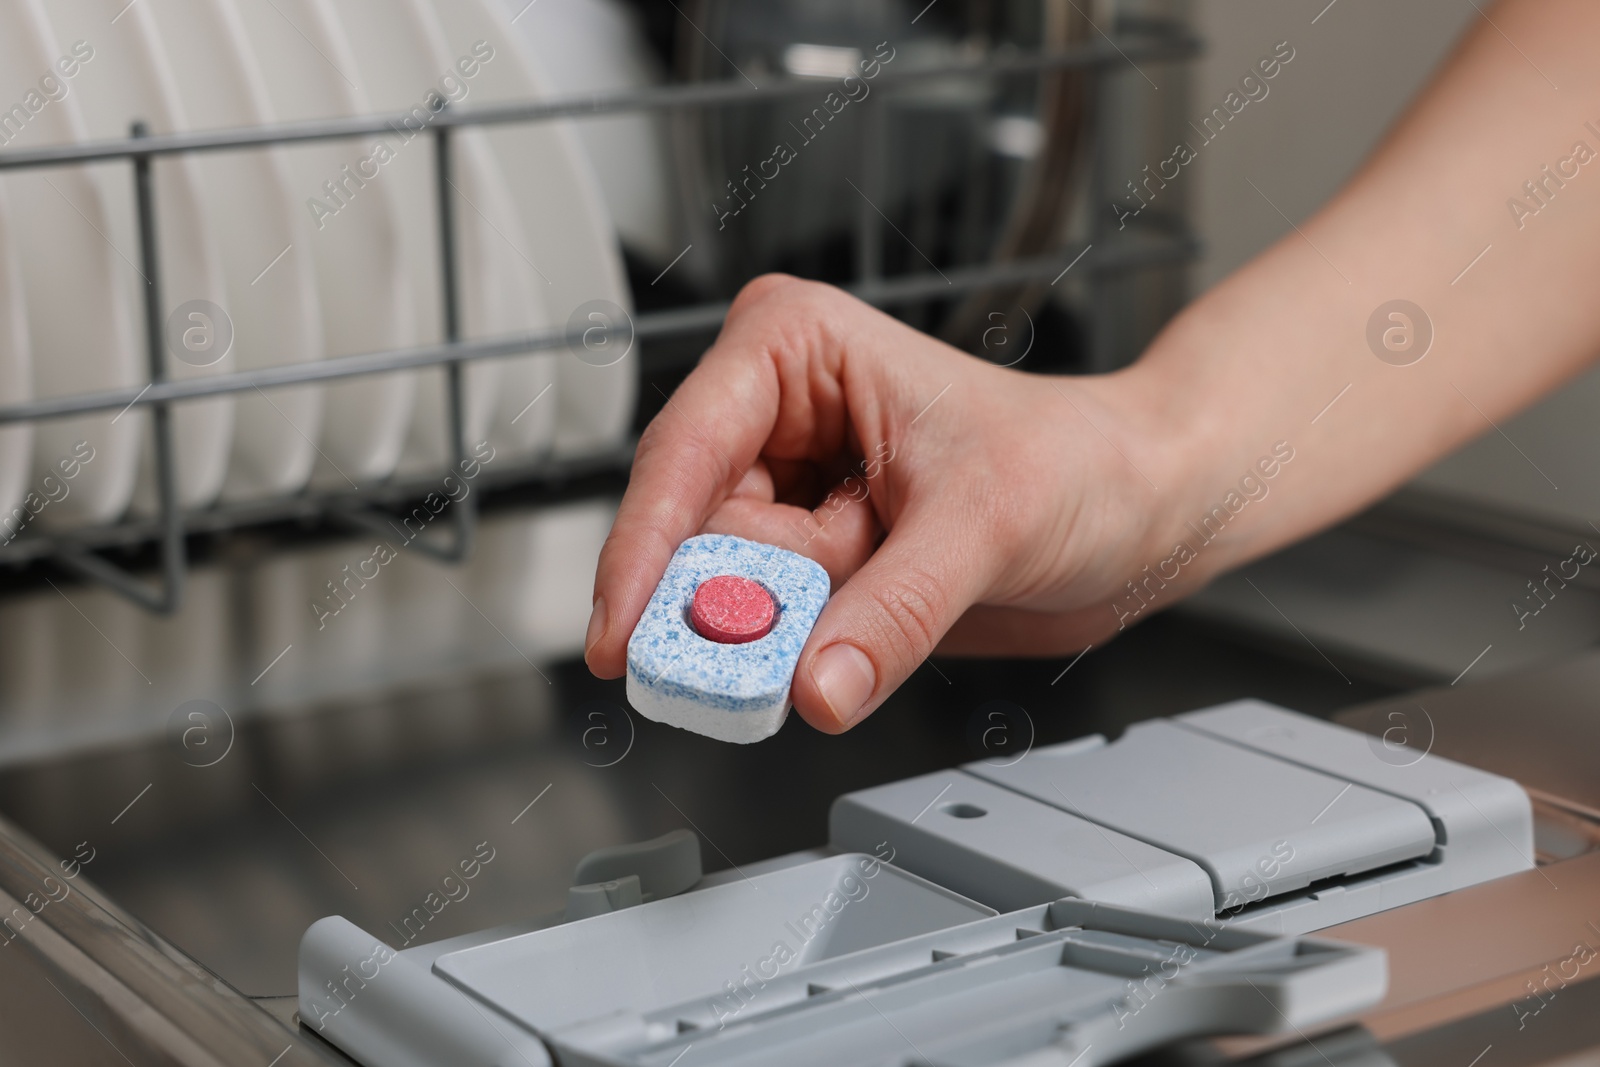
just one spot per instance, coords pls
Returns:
(717, 645)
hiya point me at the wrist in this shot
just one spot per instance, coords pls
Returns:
(1218, 467)
(1168, 449)
(1121, 492)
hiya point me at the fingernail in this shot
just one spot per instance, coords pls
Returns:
(846, 678)
(597, 625)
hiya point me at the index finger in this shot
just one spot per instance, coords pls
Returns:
(690, 458)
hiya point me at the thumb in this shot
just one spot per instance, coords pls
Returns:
(887, 618)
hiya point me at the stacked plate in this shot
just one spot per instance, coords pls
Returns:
(288, 254)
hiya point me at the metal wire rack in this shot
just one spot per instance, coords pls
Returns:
(79, 549)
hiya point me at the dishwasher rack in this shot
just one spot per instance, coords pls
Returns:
(78, 550)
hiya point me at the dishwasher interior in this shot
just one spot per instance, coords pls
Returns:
(182, 796)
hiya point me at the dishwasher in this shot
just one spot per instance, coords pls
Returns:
(407, 827)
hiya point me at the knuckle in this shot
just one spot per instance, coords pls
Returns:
(766, 289)
(912, 607)
(650, 439)
(801, 296)
(648, 436)
(791, 320)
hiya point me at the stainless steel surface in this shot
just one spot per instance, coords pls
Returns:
(1508, 969)
(1541, 727)
(1474, 531)
(68, 946)
(1564, 1032)
(1488, 946)
(1513, 946)
(1419, 614)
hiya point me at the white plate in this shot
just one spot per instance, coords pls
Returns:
(400, 55)
(131, 78)
(525, 412)
(263, 234)
(573, 244)
(16, 382)
(81, 327)
(354, 213)
(526, 403)
(597, 46)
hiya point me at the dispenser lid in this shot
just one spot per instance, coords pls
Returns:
(1069, 983)
(1259, 826)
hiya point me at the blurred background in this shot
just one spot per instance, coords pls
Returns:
(288, 743)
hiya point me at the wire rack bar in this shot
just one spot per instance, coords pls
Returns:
(1168, 43)
(884, 292)
(541, 480)
(166, 596)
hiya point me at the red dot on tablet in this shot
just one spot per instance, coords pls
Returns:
(731, 610)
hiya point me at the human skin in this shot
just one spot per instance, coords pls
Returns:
(1016, 508)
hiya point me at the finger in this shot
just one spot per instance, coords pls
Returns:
(690, 458)
(882, 624)
(840, 533)
(755, 486)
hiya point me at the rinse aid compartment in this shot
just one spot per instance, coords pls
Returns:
(1081, 904)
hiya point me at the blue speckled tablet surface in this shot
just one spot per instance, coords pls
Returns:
(669, 659)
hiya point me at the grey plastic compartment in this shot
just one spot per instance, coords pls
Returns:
(1487, 816)
(1010, 851)
(1068, 983)
(850, 961)
(388, 1008)
(1236, 812)
(689, 946)
(1483, 823)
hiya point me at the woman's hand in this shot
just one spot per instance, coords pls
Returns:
(953, 503)
(959, 505)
